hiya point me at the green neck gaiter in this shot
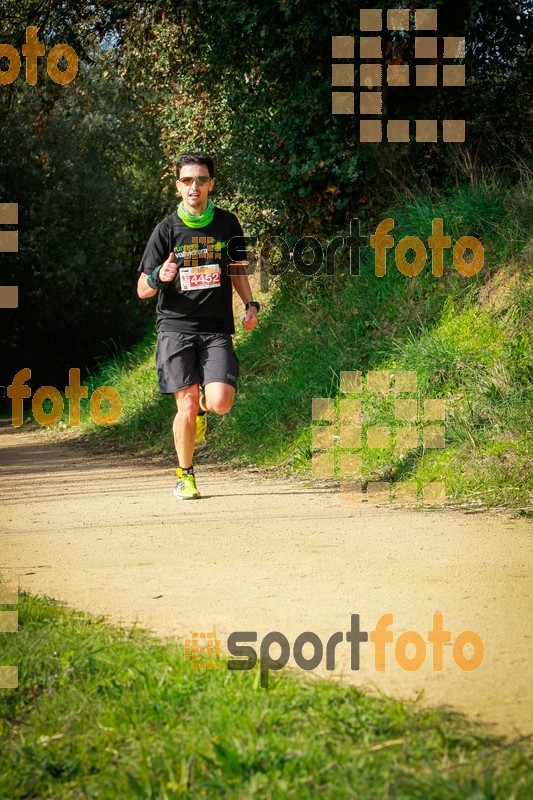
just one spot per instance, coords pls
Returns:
(196, 222)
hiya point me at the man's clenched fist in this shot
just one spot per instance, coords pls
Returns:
(169, 269)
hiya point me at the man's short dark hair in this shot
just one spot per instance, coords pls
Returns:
(195, 158)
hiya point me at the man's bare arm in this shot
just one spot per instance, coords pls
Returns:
(167, 273)
(143, 290)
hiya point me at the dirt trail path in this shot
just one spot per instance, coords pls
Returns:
(107, 536)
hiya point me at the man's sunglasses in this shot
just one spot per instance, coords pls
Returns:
(201, 180)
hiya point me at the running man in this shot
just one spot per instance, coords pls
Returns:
(186, 262)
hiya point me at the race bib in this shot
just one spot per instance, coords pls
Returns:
(205, 277)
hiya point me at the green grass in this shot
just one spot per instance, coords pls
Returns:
(110, 713)
(468, 339)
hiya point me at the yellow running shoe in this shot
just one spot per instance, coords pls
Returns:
(185, 488)
(201, 428)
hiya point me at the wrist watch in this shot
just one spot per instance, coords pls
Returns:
(252, 304)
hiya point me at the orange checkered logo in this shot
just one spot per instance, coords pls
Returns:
(203, 247)
(438, 62)
(9, 624)
(201, 648)
(339, 445)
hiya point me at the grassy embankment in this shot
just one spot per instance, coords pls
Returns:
(109, 713)
(468, 339)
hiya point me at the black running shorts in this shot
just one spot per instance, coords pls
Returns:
(183, 359)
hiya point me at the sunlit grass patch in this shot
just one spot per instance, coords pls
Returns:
(111, 712)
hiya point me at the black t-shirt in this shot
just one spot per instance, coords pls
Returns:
(199, 299)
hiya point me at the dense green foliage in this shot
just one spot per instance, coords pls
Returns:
(91, 163)
(85, 199)
(284, 149)
(109, 713)
(84, 163)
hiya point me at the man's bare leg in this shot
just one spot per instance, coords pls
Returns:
(184, 426)
(218, 397)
